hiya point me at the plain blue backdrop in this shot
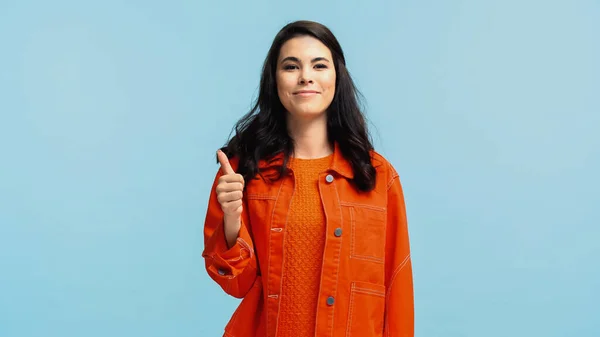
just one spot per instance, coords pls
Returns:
(111, 113)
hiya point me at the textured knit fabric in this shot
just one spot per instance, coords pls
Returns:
(304, 244)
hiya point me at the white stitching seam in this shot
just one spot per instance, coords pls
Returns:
(372, 207)
(247, 246)
(349, 323)
(389, 290)
(260, 197)
(374, 259)
(369, 292)
(398, 269)
(269, 259)
(352, 230)
(368, 258)
(325, 248)
(337, 277)
(391, 182)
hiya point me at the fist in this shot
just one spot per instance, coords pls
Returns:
(230, 188)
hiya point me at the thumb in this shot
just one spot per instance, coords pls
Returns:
(224, 161)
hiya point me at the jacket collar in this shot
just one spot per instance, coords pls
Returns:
(339, 164)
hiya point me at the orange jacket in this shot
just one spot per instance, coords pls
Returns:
(366, 280)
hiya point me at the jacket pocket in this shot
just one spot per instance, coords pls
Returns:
(366, 310)
(367, 233)
(246, 319)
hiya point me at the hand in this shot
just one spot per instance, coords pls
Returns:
(230, 189)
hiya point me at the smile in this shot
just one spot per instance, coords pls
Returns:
(306, 93)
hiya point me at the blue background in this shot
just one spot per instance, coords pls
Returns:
(111, 112)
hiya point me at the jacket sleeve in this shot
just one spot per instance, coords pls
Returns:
(233, 268)
(399, 311)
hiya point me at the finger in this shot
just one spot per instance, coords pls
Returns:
(232, 206)
(229, 196)
(231, 178)
(230, 187)
(224, 161)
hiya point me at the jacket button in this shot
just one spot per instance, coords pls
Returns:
(330, 300)
(338, 232)
(329, 178)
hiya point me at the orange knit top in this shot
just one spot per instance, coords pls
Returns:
(303, 248)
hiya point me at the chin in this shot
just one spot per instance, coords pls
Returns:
(306, 113)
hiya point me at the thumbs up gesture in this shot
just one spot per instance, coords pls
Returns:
(230, 190)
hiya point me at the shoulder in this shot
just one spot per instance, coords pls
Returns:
(385, 169)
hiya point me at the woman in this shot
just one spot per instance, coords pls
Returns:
(306, 222)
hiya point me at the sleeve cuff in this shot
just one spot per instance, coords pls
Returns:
(230, 261)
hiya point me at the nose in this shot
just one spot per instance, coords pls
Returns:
(305, 77)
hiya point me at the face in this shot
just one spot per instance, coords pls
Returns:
(305, 77)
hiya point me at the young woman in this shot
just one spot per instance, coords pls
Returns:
(306, 222)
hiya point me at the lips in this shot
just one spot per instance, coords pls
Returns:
(306, 93)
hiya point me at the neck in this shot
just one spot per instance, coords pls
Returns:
(310, 138)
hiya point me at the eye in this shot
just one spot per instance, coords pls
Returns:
(321, 66)
(289, 67)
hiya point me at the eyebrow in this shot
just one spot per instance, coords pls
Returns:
(295, 59)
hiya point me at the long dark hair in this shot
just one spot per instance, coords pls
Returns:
(262, 132)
